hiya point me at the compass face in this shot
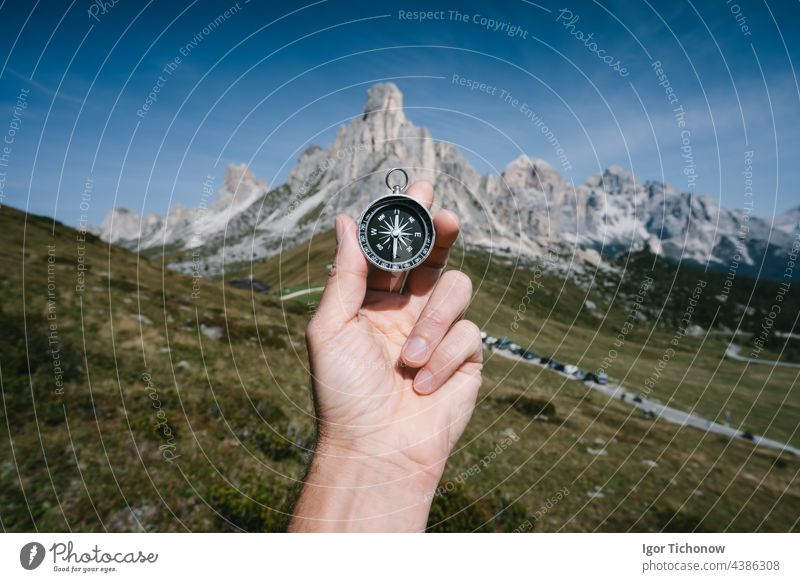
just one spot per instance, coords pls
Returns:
(396, 233)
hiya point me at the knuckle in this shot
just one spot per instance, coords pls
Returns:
(452, 216)
(470, 330)
(471, 335)
(448, 352)
(436, 319)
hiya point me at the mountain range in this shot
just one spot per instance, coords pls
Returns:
(528, 210)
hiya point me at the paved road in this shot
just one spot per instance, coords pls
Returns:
(733, 353)
(663, 411)
(294, 294)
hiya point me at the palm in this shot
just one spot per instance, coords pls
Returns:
(367, 394)
(364, 395)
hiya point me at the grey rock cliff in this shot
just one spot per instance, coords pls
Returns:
(527, 209)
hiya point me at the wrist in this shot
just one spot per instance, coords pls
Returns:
(349, 489)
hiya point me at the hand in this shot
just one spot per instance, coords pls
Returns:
(395, 379)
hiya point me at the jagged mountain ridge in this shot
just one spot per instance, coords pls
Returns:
(528, 209)
(187, 227)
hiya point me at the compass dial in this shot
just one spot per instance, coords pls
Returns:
(396, 233)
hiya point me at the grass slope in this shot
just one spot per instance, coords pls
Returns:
(162, 428)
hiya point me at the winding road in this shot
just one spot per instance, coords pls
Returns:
(665, 412)
(733, 353)
(294, 294)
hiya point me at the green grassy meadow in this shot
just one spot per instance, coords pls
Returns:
(157, 426)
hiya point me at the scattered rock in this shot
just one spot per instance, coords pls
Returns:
(183, 365)
(597, 493)
(510, 433)
(589, 304)
(650, 463)
(142, 318)
(127, 300)
(695, 331)
(165, 350)
(597, 452)
(593, 257)
(212, 331)
(697, 493)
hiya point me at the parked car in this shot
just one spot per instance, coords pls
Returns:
(516, 350)
(591, 377)
(490, 341)
(554, 365)
(570, 369)
(544, 361)
(503, 343)
(530, 355)
(483, 336)
(602, 378)
(579, 375)
(637, 399)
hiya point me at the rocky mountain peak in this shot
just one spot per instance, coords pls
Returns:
(614, 180)
(237, 173)
(526, 209)
(529, 173)
(384, 98)
(789, 221)
(240, 185)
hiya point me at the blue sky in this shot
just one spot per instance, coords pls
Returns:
(272, 78)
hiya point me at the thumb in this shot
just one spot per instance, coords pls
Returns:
(347, 284)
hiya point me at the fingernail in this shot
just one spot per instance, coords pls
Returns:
(416, 350)
(423, 382)
(338, 226)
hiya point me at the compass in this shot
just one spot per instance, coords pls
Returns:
(395, 231)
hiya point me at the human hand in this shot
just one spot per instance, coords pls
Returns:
(395, 378)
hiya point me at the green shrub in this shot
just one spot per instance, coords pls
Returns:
(529, 406)
(457, 511)
(257, 505)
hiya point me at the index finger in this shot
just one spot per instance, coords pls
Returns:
(422, 280)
